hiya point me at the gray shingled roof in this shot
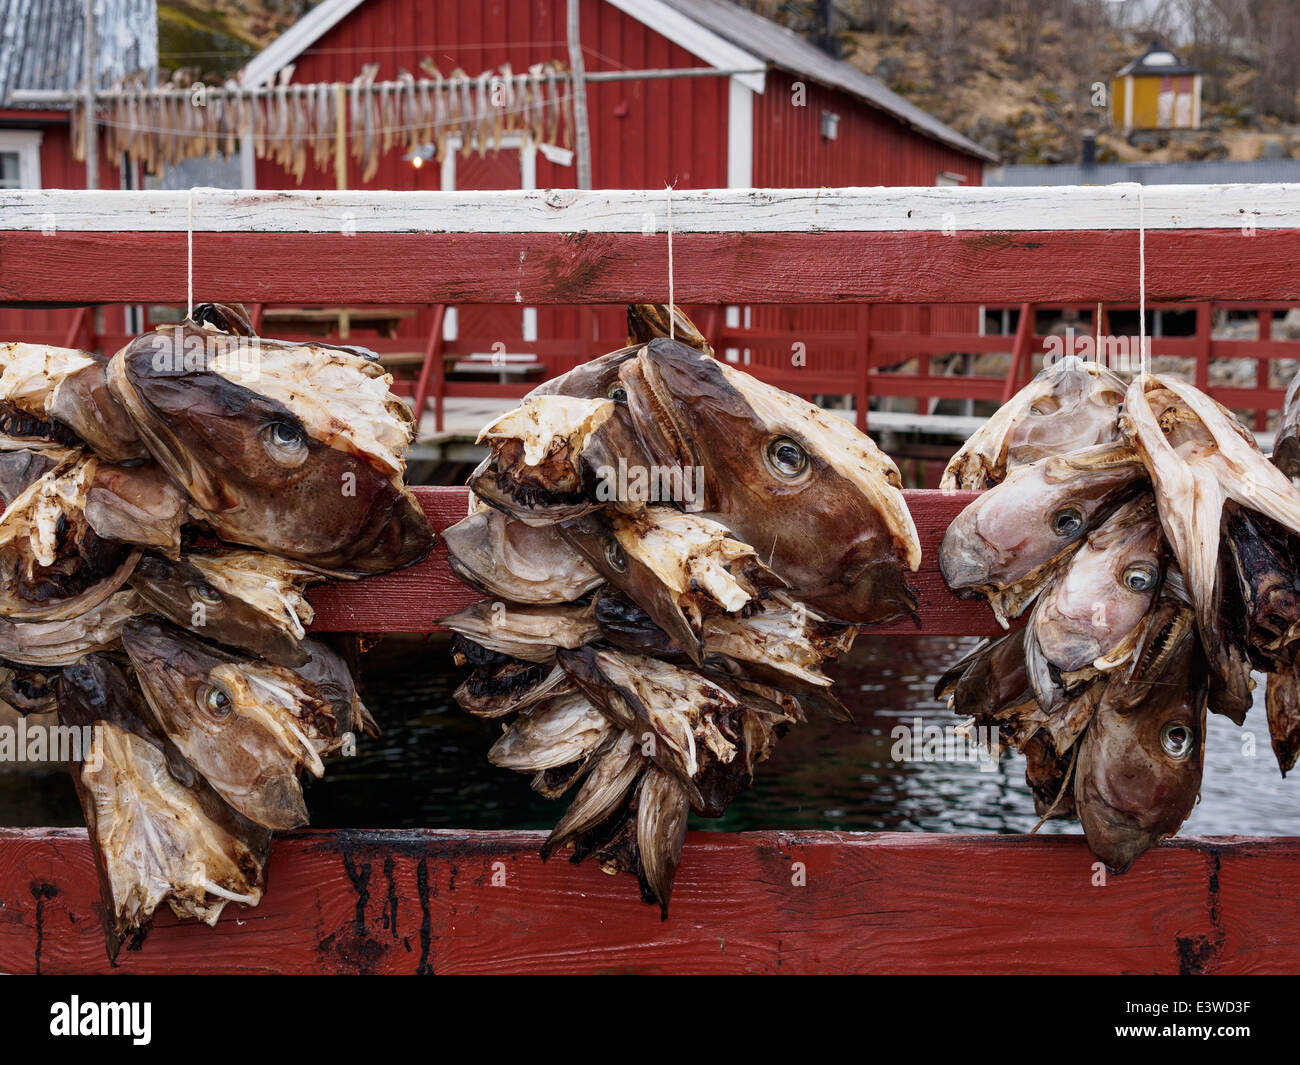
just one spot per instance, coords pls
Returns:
(1261, 171)
(41, 42)
(786, 50)
(1143, 65)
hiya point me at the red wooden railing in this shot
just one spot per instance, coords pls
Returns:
(413, 901)
(860, 362)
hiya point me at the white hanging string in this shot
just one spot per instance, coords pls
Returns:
(189, 256)
(1142, 282)
(672, 305)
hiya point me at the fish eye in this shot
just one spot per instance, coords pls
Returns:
(285, 442)
(203, 592)
(1068, 521)
(1140, 577)
(618, 394)
(215, 701)
(1177, 740)
(786, 458)
(615, 557)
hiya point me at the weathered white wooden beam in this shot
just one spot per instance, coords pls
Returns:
(558, 211)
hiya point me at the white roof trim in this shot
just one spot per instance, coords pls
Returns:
(696, 38)
(297, 39)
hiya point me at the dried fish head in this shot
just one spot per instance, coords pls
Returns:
(816, 498)
(295, 449)
(1071, 404)
(247, 726)
(1139, 773)
(159, 832)
(54, 562)
(534, 471)
(1007, 542)
(1090, 614)
(247, 600)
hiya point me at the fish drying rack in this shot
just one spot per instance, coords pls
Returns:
(459, 901)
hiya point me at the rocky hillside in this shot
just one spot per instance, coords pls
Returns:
(1020, 76)
(218, 37)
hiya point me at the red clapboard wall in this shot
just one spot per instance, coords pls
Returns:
(433, 902)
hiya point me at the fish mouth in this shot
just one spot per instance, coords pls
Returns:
(962, 557)
(1113, 838)
(876, 592)
(276, 802)
(1069, 647)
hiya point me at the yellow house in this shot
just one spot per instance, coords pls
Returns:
(1157, 90)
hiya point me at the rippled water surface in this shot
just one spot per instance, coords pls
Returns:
(428, 768)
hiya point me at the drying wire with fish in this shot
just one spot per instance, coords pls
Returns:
(1155, 553)
(673, 551)
(164, 511)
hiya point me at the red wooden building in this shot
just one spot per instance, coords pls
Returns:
(41, 48)
(794, 118)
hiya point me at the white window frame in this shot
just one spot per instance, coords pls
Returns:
(527, 180)
(27, 143)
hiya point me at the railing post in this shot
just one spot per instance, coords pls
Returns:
(1263, 335)
(864, 365)
(923, 358)
(432, 368)
(76, 328)
(1020, 350)
(1204, 327)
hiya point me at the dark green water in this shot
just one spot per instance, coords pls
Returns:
(428, 768)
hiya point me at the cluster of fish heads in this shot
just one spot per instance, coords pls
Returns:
(164, 511)
(1151, 553)
(649, 647)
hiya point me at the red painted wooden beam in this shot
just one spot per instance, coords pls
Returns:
(483, 902)
(412, 600)
(543, 268)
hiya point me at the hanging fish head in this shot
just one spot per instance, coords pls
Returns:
(248, 727)
(1009, 540)
(297, 450)
(819, 502)
(1139, 772)
(157, 829)
(1070, 404)
(1093, 609)
(242, 599)
(1074, 405)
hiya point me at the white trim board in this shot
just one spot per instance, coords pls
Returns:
(696, 38)
(740, 135)
(925, 209)
(297, 39)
